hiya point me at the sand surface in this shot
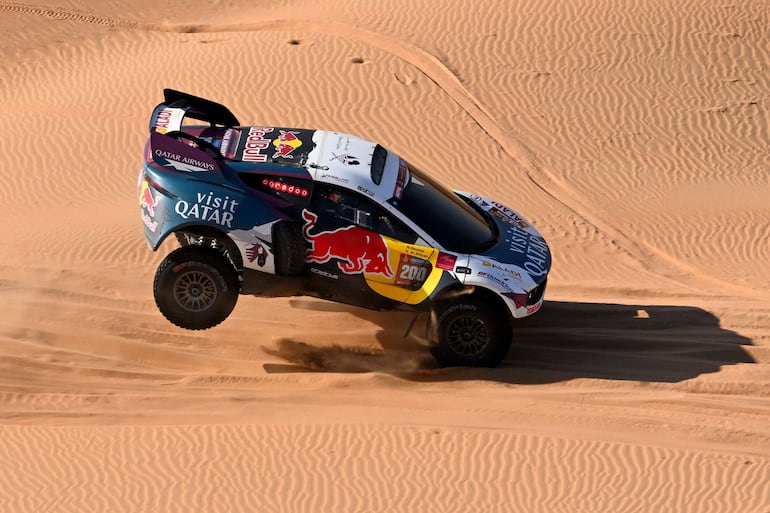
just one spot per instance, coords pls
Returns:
(633, 134)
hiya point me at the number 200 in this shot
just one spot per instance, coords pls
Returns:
(413, 273)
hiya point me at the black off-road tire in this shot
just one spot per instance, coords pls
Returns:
(470, 333)
(196, 287)
(290, 248)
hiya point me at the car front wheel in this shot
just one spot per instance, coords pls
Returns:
(195, 287)
(469, 333)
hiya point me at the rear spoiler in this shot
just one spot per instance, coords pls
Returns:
(177, 105)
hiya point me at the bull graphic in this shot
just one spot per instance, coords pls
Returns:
(146, 200)
(286, 143)
(358, 250)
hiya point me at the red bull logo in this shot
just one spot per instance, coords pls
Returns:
(255, 143)
(146, 200)
(358, 250)
(286, 143)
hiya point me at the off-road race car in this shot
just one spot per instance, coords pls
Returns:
(272, 211)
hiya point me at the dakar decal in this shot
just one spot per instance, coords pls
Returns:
(358, 250)
(168, 118)
(412, 272)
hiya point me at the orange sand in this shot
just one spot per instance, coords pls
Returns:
(633, 134)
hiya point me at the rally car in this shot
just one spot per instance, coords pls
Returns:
(272, 211)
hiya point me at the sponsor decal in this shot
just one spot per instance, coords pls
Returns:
(365, 191)
(502, 268)
(286, 143)
(255, 143)
(336, 178)
(226, 143)
(534, 308)
(257, 252)
(478, 199)
(358, 250)
(343, 142)
(418, 251)
(285, 187)
(446, 261)
(209, 208)
(533, 248)
(346, 159)
(412, 272)
(165, 119)
(147, 201)
(495, 279)
(398, 190)
(181, 163)
(323, 273)
(507, 215)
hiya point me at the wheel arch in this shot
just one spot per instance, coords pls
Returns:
(470, 326)
(476, 293)
(210, 237)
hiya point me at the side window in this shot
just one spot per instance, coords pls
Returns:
(389, 226)
(360, 211)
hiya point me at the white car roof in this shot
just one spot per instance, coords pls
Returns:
(346, 161)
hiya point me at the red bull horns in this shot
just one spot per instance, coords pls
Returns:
(358, 250)
(286, 143)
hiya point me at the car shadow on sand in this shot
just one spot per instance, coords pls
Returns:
(565, 340)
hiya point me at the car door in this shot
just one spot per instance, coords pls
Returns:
(354, 241)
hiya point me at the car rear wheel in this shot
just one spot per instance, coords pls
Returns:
(469, 333)
(195, 287)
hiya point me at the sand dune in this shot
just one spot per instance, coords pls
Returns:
(634, 135)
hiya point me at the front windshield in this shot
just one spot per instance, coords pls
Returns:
(443, 215)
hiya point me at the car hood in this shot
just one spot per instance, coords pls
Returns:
(518, 242)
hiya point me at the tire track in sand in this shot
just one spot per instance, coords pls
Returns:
(69, 14)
